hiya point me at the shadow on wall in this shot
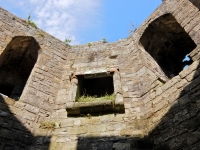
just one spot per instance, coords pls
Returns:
(113, 143)
(13, 133)
(16, 63)
(177, 121)
(179, 128)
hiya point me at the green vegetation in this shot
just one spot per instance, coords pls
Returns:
(104, 40)
(133, 28)
(48, 125)
(93, 98)
(89, 44)
(31, 22)
(89, 116)
(67, 41)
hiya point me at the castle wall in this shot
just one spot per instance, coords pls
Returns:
(159, 112)
(172, 108)
(38, 96)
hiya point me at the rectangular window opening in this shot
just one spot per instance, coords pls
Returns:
(92, 87)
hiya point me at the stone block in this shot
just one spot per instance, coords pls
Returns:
(77, 122)
(158, 91)
(192, 67)
(160, 105)
(122, 146)
(171, 82)
(106, 118)
(59, 115)
(118, 118)
(158, 99)
(66, 123)
(117, 83)
(192, 75)
(182, 83)
(47, 106)
(32, 108)
(28, 115)
(9, 101)
(92, 120)
(116, 126)
(60, 132)
(119, 99)
(78, 130)
(19, 104)
(97, 128)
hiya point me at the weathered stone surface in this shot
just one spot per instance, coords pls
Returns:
(97, 128)
(159, 100)
(119, 99)
(32, 109)
(78, 130)
(117, 83)
(67, 123)
(92, 120)
(19, 104)
(116, 126)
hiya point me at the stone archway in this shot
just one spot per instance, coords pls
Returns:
(168, 43)
(16, 64)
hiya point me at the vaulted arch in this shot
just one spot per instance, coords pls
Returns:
(168, 43)
(16, 64)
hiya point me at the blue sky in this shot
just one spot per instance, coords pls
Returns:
(84, 21)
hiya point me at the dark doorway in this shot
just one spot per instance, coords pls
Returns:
(16, 64)
(168, 43)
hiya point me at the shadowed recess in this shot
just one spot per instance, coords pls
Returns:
(97, 85)
(196, 3)
(15, 133)
(114, 143)
(168, 43)
(16, 64)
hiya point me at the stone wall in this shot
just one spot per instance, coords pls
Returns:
(40, 90)
(161, 110)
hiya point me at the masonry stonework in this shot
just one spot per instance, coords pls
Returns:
(160, 100)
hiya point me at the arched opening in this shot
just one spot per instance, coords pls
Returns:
(168, 43)
(16, 64)
(196, 3)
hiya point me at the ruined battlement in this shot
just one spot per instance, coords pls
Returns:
(144, 99)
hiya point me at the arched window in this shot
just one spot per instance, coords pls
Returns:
(168, 43)
(16, 64)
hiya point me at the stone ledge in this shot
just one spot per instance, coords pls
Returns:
(76, 108)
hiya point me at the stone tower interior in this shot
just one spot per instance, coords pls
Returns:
(156, 99)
